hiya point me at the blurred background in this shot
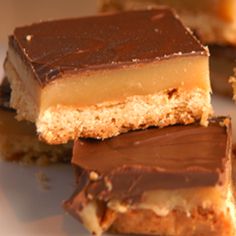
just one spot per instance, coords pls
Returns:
(15, 13)
(20, 12)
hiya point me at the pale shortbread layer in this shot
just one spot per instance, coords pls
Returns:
(59, 124)
(220, 27)
(203, 211)
(201, 223)
(19, 142)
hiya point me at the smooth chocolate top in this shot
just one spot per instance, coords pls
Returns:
(102, 42)
(174, 157)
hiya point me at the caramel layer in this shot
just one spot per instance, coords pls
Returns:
(86, 89)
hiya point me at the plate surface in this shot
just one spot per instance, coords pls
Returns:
(28, 208)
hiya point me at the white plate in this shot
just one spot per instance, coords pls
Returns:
(27, 209)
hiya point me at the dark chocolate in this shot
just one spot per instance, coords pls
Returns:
(222, 64)
(102, 42)
(175, 157)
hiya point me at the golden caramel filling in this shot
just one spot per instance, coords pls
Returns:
(115, 85)
(10, 126)
(83, 90)
(164, 202)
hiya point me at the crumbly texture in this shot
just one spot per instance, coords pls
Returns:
(29, 150)
(215, 31)
(202, 222)
(60, 124)
(134, 113)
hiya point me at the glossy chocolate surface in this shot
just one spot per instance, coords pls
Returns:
(54, 48)
(174, 157)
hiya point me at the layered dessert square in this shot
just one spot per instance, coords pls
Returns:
(214, 21)
(103, 75)
(19, 141)
(174, 181)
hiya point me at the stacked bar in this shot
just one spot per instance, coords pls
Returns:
(90, 80)
(18, 140)
(106, 80)
(174, 181)
(219, 15)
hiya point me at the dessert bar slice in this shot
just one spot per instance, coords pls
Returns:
(103, 75)
(174, 181)
(18, 139)
(220, 15)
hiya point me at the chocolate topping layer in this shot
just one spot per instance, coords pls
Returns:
(102, 42)
(174, 157)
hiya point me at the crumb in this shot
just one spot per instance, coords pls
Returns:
(43, 180)
(29, 37)
(93, 176)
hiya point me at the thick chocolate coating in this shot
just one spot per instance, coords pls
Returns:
(174, 157)
(102, 42)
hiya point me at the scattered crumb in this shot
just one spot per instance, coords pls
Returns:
(93, 176)
(29, 37)
(43, 180)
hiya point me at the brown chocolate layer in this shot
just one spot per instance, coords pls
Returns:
(102, 42)
(174, 157)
